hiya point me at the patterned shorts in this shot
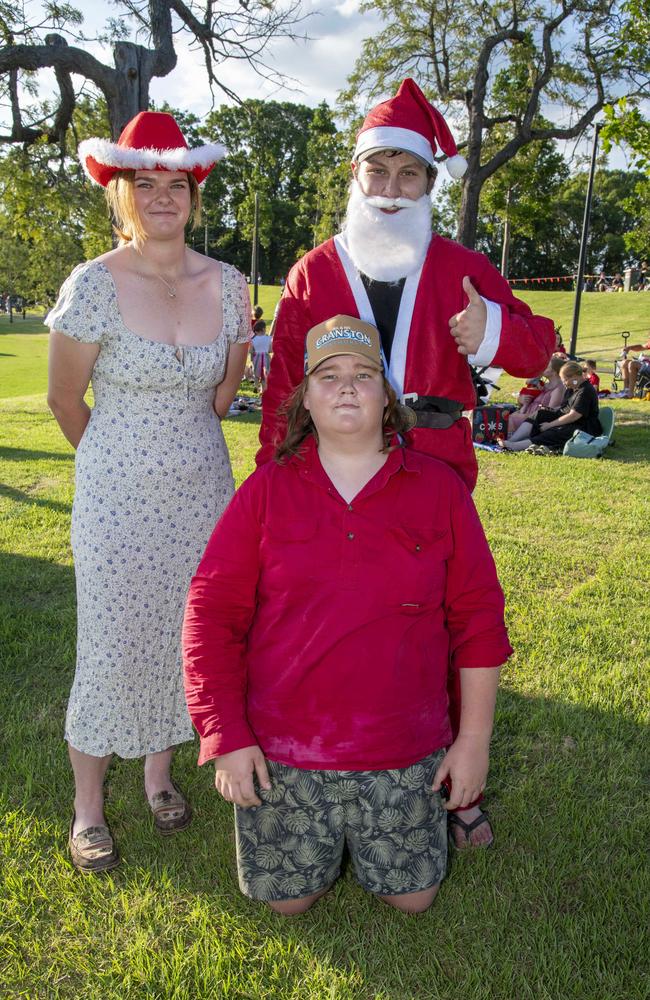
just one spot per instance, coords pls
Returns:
(394, 825)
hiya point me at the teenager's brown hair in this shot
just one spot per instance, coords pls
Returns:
(300, 424)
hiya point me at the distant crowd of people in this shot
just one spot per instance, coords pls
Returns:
(550, 414)
(564, 398)
(640, 281)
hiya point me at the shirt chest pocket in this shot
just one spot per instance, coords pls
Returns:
(419, 564)
(289, 550)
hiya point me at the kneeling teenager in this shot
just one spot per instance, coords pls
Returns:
(338, 587)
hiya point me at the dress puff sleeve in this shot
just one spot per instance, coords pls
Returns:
(80, 311)
(236, 303)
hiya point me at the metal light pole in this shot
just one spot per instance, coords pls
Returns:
(583, 245)
(255, 252)
(505, 250)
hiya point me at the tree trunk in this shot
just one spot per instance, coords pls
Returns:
(134, 69)
(468, 216)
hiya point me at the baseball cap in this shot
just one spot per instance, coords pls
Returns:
(342, 335)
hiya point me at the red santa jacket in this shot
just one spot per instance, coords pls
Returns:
(318, 288)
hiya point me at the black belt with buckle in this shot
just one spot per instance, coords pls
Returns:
(432, 411)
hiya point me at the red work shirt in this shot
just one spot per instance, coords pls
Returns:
(323, 631)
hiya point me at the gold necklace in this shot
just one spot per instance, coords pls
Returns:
(171, 289)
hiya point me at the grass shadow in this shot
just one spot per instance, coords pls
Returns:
(254, 417)
(24, 498)
(27, 454)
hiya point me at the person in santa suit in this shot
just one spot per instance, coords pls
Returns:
(439, 307)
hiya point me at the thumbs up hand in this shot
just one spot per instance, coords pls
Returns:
(468, 327)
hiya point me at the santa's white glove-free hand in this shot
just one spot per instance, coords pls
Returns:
(468, 327)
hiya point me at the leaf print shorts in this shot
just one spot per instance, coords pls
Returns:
(395, 828)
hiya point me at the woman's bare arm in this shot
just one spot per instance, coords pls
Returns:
(556, 397)
(227, 389)
(70, 366)
(566, 418)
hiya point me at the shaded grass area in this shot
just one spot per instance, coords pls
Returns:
(556, 910)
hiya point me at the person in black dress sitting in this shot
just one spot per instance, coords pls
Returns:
(553, 427)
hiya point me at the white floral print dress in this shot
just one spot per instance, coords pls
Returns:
(152, 478)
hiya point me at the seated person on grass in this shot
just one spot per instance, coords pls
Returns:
(551, 396)
(590, 370)
(552, 428)
(631, 367)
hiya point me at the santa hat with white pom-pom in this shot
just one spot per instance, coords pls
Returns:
(408, 122)
(150, 141)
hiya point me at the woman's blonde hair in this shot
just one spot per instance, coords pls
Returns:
(127, 224)
(300, 424)
(571, 369)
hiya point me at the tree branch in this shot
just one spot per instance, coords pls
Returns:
(482, 75)
(61, 56)
(226, 32)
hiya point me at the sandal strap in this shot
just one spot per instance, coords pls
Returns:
(467, 828)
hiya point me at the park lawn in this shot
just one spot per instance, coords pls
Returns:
(555, 911)
(23, 363)
(23, 347)
(603, 317)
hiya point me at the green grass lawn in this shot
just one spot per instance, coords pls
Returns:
(557, 910)
(23, 370)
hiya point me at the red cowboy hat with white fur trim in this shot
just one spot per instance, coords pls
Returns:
(151, 141)
(410, 123)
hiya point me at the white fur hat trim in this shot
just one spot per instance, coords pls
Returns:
(110, 154)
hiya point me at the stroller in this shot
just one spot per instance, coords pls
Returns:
(618, 371)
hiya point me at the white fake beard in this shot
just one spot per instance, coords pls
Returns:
(387, 247)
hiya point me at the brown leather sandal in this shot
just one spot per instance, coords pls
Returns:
(93, 850)
(171, 812)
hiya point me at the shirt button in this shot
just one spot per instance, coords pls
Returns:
(417, 548)
(349, 506)
(350, 535)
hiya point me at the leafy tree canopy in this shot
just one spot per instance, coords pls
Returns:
(272, 153)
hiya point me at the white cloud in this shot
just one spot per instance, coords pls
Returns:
(348, 8)
(318, 68)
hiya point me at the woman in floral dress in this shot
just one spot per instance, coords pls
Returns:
(162, 333)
